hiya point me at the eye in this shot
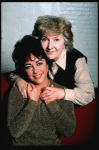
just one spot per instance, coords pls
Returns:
(39, 63)
(56, 40)
(28, 67)
(44, 39)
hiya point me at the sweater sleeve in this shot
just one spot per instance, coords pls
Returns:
(62, 113)
(14, 77)
(20, 112)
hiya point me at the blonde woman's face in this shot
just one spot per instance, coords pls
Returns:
(53, 45)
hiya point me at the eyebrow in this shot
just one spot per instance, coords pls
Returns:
(36, 61)
(56, 36)
(44, 36)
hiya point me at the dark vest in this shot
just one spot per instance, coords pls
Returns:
(66, 77)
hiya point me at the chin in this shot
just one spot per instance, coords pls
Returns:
(39, 82)
(51, 57)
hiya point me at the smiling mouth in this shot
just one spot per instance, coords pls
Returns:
(37, 76)
(50, 52)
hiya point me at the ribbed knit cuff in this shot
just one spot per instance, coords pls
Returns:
(53, 107)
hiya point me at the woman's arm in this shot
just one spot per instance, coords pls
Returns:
(14, 77)
(21, 83)
(62, 113)
(52, 93)
(20, 112)
(83, 93)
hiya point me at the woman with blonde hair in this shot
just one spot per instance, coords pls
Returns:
(69, 67)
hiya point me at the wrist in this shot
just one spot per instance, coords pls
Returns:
(62, 94)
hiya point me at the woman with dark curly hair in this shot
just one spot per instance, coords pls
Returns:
(33, 121)
(69, 67)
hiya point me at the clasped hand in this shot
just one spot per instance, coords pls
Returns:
(52, 93)
(48, 94)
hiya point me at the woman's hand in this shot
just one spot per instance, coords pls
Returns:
(22, 86)
(51, 93)
(33, 92)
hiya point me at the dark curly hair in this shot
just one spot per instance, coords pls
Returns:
(22, 50)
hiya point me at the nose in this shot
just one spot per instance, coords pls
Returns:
(35, 70)
(50, 45)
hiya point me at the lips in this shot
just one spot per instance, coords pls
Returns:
(50, 52)
(38, 76)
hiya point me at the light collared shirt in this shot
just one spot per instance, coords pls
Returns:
(83, 93)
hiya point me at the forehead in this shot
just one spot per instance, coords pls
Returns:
(53, 35)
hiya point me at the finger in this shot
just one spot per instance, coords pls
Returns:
(48, 100)
(32, 85)
(45, 89)
(24, 94)
(29, 88)
(45, 97)
(49, 88)
(45, 92)
(51, 85)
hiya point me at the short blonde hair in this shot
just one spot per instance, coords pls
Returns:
(54, 25)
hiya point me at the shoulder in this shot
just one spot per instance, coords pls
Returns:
(74, 51)
(75, 54)
(15, 100)
(14, 90)
(14, 93)
(81, 62)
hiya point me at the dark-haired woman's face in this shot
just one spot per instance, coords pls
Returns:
(36, 70)
(53, 45)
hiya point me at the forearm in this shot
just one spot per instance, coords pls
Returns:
(14, 77)
(20, 82)
(63, 120)
(81, 95)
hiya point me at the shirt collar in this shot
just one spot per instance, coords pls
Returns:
(61, 62)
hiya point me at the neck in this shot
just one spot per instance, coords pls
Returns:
(43, 85)
(55, 59)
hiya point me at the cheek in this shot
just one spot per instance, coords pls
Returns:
(60, 47)
(63, 44)
(45, 69)
(29, 72)
(44, 45)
